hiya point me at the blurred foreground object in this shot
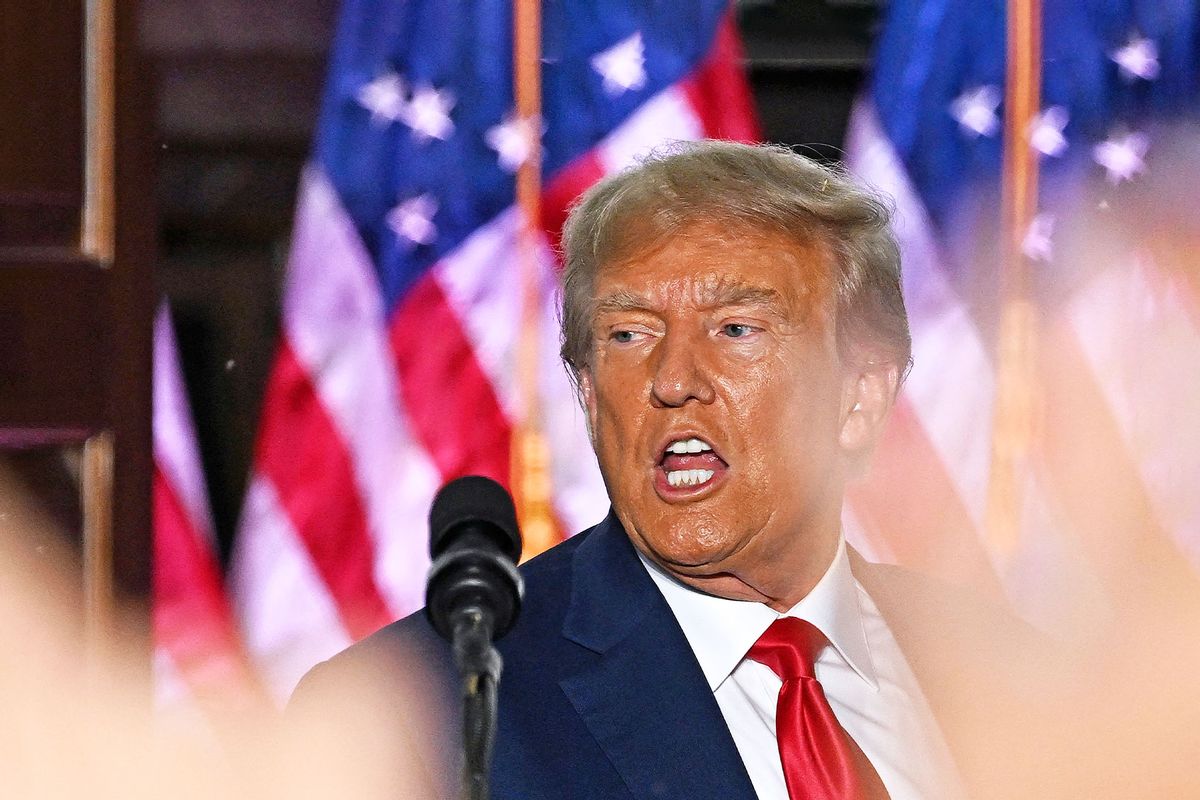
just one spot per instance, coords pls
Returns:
(1112, 381)
(1106, 551)
(81, 725)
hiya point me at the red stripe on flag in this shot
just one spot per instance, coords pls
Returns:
(193, 620)
(449, 400)
(561, 191)
(719, 92)
(301, 452)
(910, 504)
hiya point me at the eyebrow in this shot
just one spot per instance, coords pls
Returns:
(622, 301)
(733, 295)
(744, 295)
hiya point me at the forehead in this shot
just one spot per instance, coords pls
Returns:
(706, 264)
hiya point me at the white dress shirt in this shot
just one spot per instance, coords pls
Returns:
(865, 676)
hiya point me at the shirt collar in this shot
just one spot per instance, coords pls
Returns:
(722, 631)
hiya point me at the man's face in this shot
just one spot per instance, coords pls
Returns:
(718, 403)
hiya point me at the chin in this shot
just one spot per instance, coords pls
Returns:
(695, 549)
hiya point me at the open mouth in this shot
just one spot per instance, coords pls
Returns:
(688, 465)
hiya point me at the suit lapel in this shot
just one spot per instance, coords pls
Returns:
(645, 699)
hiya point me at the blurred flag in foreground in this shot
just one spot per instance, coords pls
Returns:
(1106, 506)
(198, 656)
(403, 305)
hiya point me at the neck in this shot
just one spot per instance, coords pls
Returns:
(779, 581)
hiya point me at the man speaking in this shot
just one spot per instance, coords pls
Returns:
(733, 320)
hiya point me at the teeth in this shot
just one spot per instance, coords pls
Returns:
(683, 446)
(689, 477)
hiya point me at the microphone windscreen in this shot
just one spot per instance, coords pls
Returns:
(477, 503)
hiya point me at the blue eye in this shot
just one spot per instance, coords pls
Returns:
(624, 337)
(735, 330)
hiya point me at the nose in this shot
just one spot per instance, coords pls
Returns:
(680, 374)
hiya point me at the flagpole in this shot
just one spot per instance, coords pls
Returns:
(1014, 419)
(530, 456)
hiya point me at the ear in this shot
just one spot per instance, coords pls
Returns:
(867, 396)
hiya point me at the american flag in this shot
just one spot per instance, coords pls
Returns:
(198, 655)
(403, 305)
(1108, 501)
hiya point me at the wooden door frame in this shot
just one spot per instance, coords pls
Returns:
(79, 321)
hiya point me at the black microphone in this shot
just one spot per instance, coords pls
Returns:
(475, 543)
(472, 598)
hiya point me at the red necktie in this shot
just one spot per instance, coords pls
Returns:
(820, 761)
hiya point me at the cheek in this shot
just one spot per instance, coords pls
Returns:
(609, 416)
(787, 415)
(615, 425)
(619, 388)
(758, 397)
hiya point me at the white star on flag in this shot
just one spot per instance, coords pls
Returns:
(513, 140)
(1138, 58)
(623, 66)
(383, 97)
(1038, 244)
(1122, 157)
(412, 220)
(428, 113)
(1046, 131)
(975, 110)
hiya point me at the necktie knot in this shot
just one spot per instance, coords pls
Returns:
(819, 759)
(789, 647)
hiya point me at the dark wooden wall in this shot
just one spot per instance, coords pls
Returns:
(76, 299)
(238, 83)
(41, 103)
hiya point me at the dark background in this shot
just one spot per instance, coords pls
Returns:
(237, 86)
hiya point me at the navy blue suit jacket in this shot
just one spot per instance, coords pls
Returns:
(601, 695)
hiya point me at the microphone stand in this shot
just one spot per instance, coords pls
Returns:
(479, 664)
(472, 596)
